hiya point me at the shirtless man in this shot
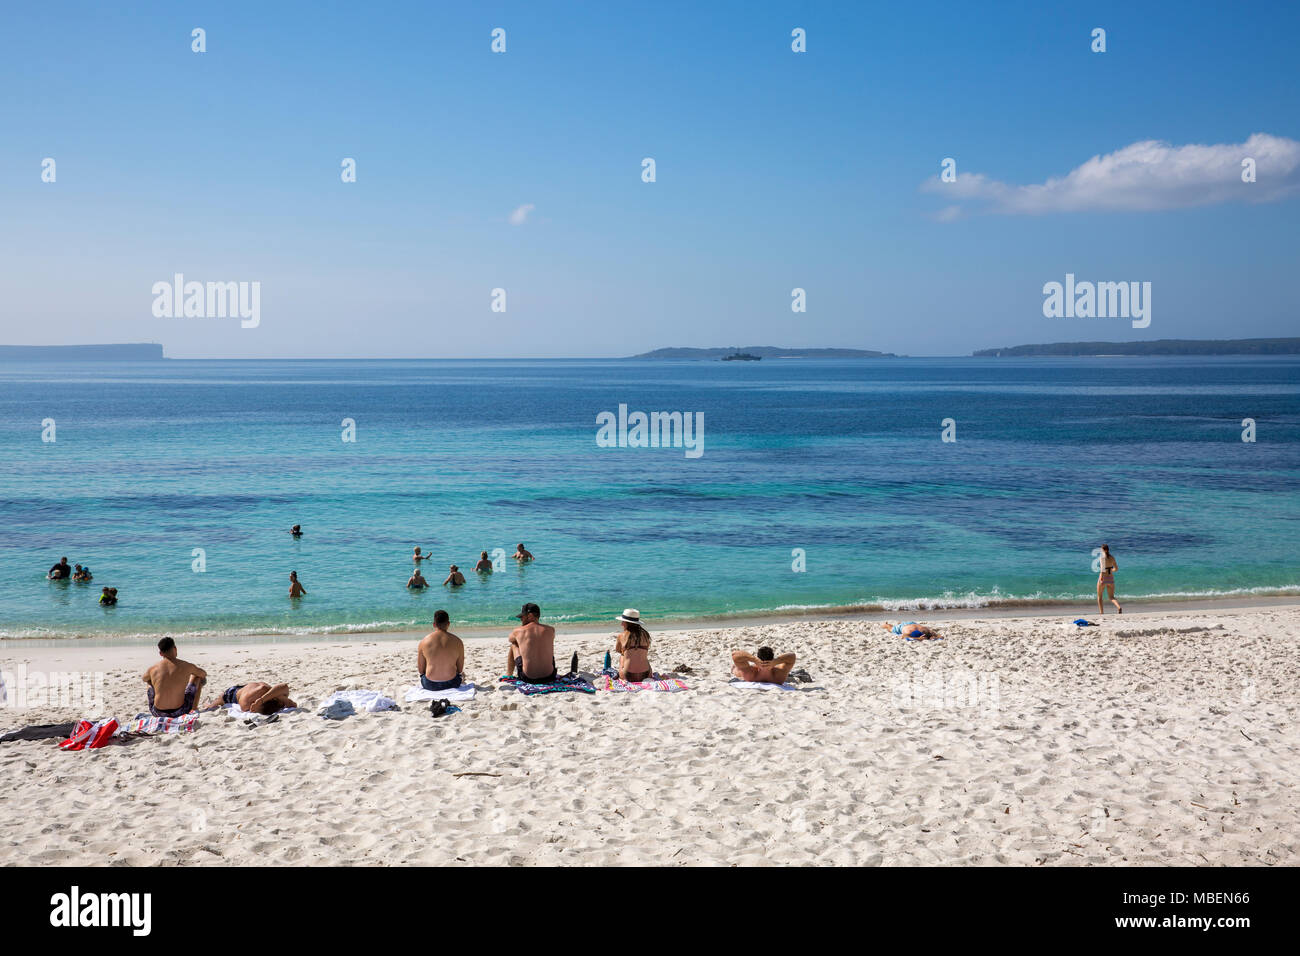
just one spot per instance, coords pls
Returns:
(416, 580)
(763, 668)
(522, 554)
(532, 648)
(417, 557)
(62, 570)
(256, 697)
(441, 657)
(483, 563)
(455, 578)
(174, 685)
(296, 590)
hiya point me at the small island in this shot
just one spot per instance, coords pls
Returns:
(753, 353)
(1155, 347)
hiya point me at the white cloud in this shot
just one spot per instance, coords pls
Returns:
(520, 215)
(1142, 177)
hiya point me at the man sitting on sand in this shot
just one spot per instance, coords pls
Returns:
(763, 668)
(522, 554)
(174, 684)
(532, 648)
(61, 570)
(256, 697)
(484, 565)
(917, 632)
(416, 580)
(441, 656)
(455, 578)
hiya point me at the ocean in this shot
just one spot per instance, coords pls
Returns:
(820, 485)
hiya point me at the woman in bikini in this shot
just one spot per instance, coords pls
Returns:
(633, 642)
(1106, 581)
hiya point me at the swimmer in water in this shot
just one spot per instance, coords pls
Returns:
(484, 565)
(522, 554)
(296, 531)
(296, 590)
(416, 581)
(455, 578)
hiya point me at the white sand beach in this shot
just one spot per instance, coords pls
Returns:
(1157, 738)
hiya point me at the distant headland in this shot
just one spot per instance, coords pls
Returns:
(762, 352)
(1156, 347)
(81, 353)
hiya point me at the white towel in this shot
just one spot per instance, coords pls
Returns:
(369, 701)
(463, 692)
(234, 711)
(759, 685)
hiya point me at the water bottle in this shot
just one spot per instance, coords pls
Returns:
(607, 660)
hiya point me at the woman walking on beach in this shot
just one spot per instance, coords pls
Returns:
(1106, 581)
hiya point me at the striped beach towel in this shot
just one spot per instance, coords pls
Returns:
(149, 724)
(561, 685)
(609, 680)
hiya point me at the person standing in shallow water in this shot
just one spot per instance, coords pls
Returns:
(1106, 580)
(296, 590)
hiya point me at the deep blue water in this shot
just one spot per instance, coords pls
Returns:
(841, 459)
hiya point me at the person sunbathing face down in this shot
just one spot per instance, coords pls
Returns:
(762, 668)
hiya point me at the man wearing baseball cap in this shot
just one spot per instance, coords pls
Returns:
(532, 648)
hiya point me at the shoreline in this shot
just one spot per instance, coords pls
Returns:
(846, 614)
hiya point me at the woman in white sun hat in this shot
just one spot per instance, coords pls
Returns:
(633, 642)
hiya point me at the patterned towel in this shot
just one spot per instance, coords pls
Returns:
(149, 724)
(609, 680)
(561, 685)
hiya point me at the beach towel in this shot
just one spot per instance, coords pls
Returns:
(609, 680)
(561, 685)
(759, 685)
(149, 724)
(359, 701)
(465, 691)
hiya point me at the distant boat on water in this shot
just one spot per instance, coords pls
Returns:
(742, 357)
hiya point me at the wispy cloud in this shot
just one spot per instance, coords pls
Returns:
(520, 215)
(1142, 177)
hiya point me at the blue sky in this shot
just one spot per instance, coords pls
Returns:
(774, 170)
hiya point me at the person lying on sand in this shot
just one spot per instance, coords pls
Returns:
(521, 554)
(763, 668)
(416, 580)
(532, 648)
(484, 565)
(441, 656)
(256, 697)
(633, 642)
(455, 578)
(296, 590)
(63, 570)
(918, 632)
(174, 685)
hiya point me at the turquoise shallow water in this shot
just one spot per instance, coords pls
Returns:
(840, 459)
